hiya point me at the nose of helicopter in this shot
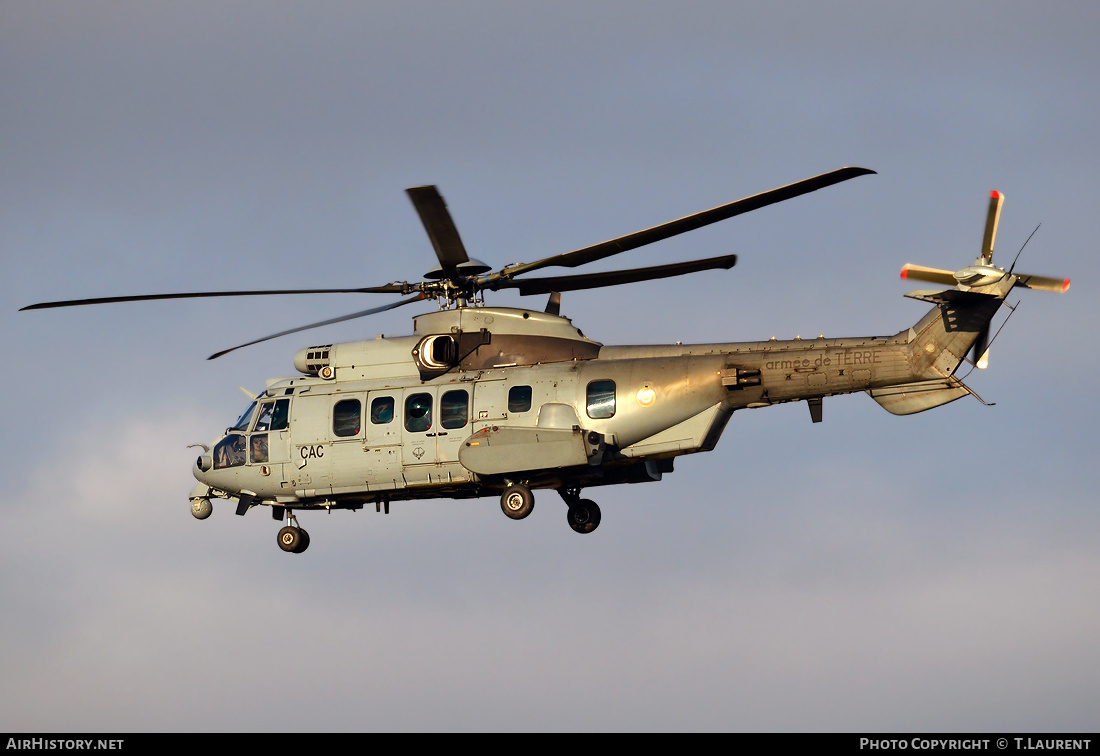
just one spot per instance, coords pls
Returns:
(201, 508)
(203, 464)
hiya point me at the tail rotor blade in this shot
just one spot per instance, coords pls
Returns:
(1043, 283)
(981, 349)
(935, 275)
(992, 218)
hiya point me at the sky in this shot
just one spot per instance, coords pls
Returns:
(937, 572)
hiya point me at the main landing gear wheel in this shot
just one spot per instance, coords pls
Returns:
(293, 539)
(584, 516)
(517, 501)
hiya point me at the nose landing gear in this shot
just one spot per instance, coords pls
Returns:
(293, 538)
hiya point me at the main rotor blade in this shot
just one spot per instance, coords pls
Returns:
(441, 229)
(354, 315)
(992, 218)
(393, 288)
(688, 223)
(529, 286)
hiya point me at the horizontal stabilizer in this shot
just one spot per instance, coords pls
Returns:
(910, 398)
(946, 296)
(927, 295)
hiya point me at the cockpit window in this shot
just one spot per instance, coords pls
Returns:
(264, 418)
(273, 415)
(258, 447)
(243, 420)
(281, 417)
(230, 451)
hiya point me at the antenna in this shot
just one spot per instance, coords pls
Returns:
(1022, 249)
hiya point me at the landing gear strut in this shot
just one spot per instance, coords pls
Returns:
(293, 538)
(584, 514)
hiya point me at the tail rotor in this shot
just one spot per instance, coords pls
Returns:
(982, 277)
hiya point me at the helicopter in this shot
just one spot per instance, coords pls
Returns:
(484, 401)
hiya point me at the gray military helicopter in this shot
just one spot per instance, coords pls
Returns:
(496, 400)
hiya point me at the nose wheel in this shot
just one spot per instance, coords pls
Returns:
(293, 538)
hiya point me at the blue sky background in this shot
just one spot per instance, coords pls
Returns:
(935, 572)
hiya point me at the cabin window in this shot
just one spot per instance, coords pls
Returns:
(229, 452)
(381, 410)
(519, 399)
(245, 418)
(601, 399)
(345, 417)
(454, 409)
(257, 448)
(418, 413)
